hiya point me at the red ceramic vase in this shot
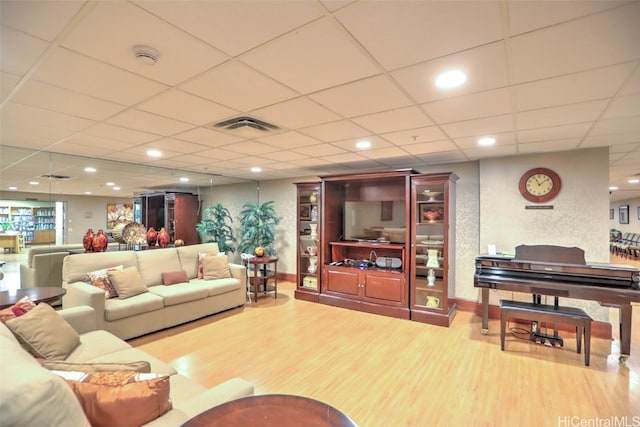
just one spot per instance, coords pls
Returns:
(87, 241)
(152, 237)
(100, 242)
(163, 238)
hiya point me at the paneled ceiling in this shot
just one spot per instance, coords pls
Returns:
(543, 76)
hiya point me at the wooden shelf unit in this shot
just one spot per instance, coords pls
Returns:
(309, 213)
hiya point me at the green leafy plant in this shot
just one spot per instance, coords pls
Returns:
(257, 227)
(216, 227)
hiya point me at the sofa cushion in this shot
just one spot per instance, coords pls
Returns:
(76, 267)
(216, 267)
(174, 277)
(120, 308)
(189, 256)
(45, 333)
(100, 279)
(98, 343)
(140, 366)
(219, 286)
(131, 354)
(131, 404)
(173, 295)
(31, 395)
(128, 282)
(153, 262)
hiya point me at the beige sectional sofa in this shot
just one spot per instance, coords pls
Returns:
(44, 265)
(31, 395)
(161, 306)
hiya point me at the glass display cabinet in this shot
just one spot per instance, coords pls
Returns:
(432, 243)
(308, 232)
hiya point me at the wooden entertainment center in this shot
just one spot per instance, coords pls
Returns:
(383, 243)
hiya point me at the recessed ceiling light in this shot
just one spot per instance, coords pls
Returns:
(116, 188)
(613, 188)
(13, 188)
(34, 182)
(486, 141)
(154, 153)
(89, 169)
(184, 179)
(110, 184)
(363, 145)
(450, 79)
(633, 181)
(256, 169)
(87, 192)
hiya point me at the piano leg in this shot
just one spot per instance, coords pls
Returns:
(625, 331)
(485, 311)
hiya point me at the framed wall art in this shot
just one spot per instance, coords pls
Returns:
(623, 212)
(119, 213)
(305, 211)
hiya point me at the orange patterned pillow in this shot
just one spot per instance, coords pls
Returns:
(23, 306)
(100, 279)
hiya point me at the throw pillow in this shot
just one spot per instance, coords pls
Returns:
(100, 279)
(201, 257)
(128, 282)
(119, 399)
(142, 366)
(23, 306)
(216, 267)
(44, 333)
(173, 277)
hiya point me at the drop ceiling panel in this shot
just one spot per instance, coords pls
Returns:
(319, 151)
(119, 133)
(235, 27)
(466, 107)
(430, 147)
(186, 107)
(181, 56)
(147, 122)
(288, 140)
(613, 140)
(310, 59)
(615, 126)
(485, 67)
(7, 83)
(502, 139)
(19, 51)
(623, 106)
(296, 113)
(550, 133)
(49, 97)
(170, 144)
(42, 19)
(250, 148)
(335, 131)
(384, 153)
(480, 127)
(573, 113)
(284, 156)
(208, 137)
(239, 87)
(363, 97)
(424, 30)
(549, 146)
(594, 41)
(18, 113)
(495, 151)
(425, 134)
(390, 121)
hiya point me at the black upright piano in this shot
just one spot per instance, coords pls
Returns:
(560, 272)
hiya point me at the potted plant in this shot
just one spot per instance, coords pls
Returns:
(216, 227)
(257, 227)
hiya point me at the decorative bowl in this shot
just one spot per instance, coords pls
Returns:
(431, 215)
(432, 195)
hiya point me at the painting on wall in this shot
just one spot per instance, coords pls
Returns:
(623, 212)
(611, 213)
(119, 213)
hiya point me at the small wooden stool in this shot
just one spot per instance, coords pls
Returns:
(550, 314)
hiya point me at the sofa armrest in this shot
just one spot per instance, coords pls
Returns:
(81, 294)
(48, 268)
(27, 276)
(232, 389)
(239, 271)
(81, 318)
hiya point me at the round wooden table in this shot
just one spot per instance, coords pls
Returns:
(43, 294)
(271, 410)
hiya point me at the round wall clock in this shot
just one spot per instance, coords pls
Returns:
(540, 185)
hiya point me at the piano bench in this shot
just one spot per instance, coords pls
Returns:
(549, 314)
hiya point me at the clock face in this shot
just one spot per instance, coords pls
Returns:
(539, 185)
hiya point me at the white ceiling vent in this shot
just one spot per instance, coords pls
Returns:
(56, 177)
(246, 127)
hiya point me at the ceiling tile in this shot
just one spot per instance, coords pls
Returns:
(480, 127)
(119, 133)
(384, 153)
(296, 113)
(396, 120)
(335, 131)
(550, 133)
(350, 144)
(485, 66)
(549, 146)
(608, 139)
(170, 144)
(317, 56)
(495, 151)
(366, 96)
(319, 150)
(288, 140)
(425, 134)
(208, 137)
(181, 56)
(618, 125)
(42, 19)
(251, 148)
(502, 139)
(430, 147)
(444, 157)
(7, 84)
(235, 27)
(19, 51)
(632, 85)
(593, 41)
(554, 116)
(466, 107)
(284, 156)
(238, 86)
(147, 122)
(383, 26)
(13, 113)
(186, 107)
(623, 106)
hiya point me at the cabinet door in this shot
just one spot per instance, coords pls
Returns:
(343, 282)
(384, 288)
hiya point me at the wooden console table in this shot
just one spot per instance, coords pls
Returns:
(272, 410)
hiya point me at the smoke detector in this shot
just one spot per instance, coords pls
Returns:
(146, 54)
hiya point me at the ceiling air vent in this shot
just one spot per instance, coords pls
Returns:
(245, 126)
(56, 177)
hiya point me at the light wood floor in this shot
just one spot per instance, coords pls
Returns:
(389, 372)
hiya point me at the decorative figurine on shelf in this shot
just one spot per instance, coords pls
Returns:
(100, 242)
(433, 302)
(314, 213)
(432, 260)
(87, 241)
(259, 252)
(163, 238)
(314, 231)
(178, 243)
(431, 278)
(313, 198)
(152, 237)
(313, 265)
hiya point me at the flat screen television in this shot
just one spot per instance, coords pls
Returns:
(375, 221)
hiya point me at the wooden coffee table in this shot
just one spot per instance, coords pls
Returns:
(272, 410)
(43, 294)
